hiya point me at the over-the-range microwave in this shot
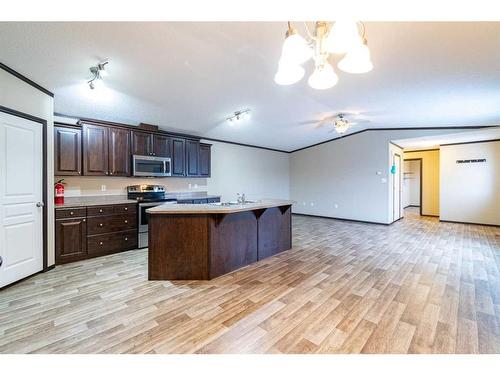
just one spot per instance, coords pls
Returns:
(151, 166)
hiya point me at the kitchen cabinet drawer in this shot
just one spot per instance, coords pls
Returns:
(100, 210)
(114, 223)
(112, 242)
(71, 212)
(125, 208)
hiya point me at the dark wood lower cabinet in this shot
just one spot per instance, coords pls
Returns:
(87, 232)
(71, 240)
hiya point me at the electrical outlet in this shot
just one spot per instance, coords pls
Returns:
(335, 205)
(103, 187)
(189, 186)
(312, 204)
(196, 186)
(303, 203)
(384, 180)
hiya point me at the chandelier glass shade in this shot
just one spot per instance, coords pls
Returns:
(342, 37)
(323, 77)
(341, 125)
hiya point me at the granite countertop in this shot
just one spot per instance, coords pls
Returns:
(97, 200)
(214, 208)
(191, 195)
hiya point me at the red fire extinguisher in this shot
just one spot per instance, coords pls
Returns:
(59, 192)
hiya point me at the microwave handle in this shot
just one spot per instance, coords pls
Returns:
(164, 166)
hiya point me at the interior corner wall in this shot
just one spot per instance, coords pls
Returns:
(470, 192)
(430, 180)
(20, 96)
(258, 173)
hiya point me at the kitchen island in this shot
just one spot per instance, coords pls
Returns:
(203, 241)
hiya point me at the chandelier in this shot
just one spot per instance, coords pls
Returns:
(340, 38)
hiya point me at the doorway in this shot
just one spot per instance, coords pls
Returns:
(396, 188)
(23, 217)
(412, 183)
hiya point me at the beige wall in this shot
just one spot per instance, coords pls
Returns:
(430, 180)
(17, 94)
(470, 192)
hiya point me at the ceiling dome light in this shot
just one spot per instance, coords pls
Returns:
(323, 77)
(288, 74)
(295, 50)
(343, 36)
(357, 60)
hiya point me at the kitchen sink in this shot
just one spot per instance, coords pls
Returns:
(233, 203)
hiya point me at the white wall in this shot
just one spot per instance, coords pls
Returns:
(344, 172)
(17, 94)
(411, 183)
(470, 192)
(256, 172)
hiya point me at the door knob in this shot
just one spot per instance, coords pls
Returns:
(40, 204)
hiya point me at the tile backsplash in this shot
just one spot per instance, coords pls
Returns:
(88, 186)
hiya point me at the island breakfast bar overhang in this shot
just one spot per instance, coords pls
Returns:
(201, 242)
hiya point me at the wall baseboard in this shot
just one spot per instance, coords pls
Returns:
(468, 222)
(344, 219)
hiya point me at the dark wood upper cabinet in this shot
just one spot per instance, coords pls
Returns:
(178, 157)
(119, 152)
(142, 143)
(205, 160)
(95, 150)
(162, 145)
(192, 157)
(71, 240)
(67, 151)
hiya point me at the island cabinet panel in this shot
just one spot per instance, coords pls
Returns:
(205, 162)
(182, 256)
(95, 150)
(67, 151)
(233, 242)
(274, 231)
(119, 152)
(178, 157)
(192, 158)
(162, 146)
(71, 240)
(142, 143)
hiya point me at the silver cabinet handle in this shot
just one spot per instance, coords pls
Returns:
(126, 238)
(84, 220)
(40, 204)
(100, 224)
(100, 211)
(126, 221)
(126, 208)
(100, 243)
(71, 213)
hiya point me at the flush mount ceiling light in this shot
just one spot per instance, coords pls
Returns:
(98, 72)
(238, 116)
(342, 37)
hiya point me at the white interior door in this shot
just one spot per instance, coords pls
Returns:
(21, 207)
(396, 206)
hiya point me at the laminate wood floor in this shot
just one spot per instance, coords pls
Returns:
(417, 286)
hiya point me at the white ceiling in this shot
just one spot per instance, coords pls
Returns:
(190, 76)
(435, 141)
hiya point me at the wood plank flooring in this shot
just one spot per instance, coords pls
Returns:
(417, 286)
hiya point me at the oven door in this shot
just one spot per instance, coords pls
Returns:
(143, 216)
(150, 166)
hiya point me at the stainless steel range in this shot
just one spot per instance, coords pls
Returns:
(148, 196)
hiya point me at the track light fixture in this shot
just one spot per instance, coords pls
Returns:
(98, 72)
(239, 115)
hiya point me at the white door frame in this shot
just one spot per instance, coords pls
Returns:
(42, 123)
(397, 185)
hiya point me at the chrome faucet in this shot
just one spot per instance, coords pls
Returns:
(241, 198)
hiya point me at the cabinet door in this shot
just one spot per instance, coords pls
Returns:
(162, 145)
(142, 143)
(205, 160)
(178, 157)
(119, 152)
(67, 151)
(71, 240)
(192, 157)
(95, 150)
